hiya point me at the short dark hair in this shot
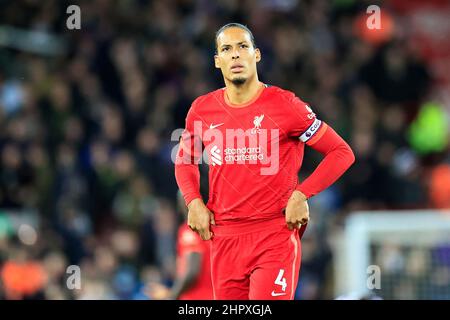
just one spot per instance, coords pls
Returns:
(234, 25)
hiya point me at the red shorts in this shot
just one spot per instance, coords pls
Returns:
(259, 261)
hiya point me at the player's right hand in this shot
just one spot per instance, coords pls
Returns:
(200, 218)
(297, 210)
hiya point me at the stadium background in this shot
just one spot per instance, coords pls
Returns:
(86, 116)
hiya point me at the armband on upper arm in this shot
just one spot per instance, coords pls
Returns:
(311, 131)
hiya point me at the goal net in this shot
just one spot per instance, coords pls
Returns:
(394, 255)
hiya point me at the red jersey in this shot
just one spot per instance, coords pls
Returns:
(188, 242)
(254, 153)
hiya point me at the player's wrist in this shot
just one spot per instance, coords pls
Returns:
(195, 203)
(298, 195)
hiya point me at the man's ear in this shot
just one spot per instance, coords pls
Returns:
(216, 61)
(258, 55)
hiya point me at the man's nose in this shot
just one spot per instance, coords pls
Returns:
(235, 54)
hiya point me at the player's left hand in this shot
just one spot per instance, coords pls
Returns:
(297, 210)
(157, 291)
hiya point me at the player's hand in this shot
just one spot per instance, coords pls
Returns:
(157, 291)
(297, 210)
(200, 218)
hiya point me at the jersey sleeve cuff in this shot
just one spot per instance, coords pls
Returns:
(192, 196)
(302, 190)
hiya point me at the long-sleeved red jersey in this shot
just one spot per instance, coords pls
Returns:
(255, 152)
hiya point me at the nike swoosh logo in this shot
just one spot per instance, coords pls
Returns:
(215, 125)
(274, 294)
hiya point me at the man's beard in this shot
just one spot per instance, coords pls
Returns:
(238, 81)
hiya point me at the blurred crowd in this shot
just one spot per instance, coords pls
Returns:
(86, 176)
(414, 272)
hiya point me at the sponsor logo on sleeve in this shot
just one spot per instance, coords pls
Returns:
(311, 115)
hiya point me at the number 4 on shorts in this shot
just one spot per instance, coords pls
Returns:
(281, 281)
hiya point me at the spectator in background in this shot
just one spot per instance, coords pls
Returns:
(22, 276)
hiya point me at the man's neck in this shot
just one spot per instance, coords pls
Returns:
(241, 94)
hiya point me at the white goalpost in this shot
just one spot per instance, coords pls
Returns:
(394, 254)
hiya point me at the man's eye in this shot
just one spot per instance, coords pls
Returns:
(224, 49)
(244, 46)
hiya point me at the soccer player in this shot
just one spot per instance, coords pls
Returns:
(254, 135)
(193, 274)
